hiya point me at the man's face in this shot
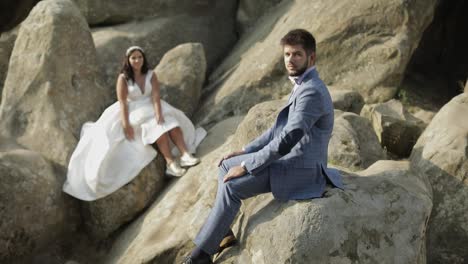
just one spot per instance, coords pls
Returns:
(296, 59)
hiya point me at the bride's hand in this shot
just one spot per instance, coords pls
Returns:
(160, 119)
(129, 133)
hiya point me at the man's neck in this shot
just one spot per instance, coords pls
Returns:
(298, 79)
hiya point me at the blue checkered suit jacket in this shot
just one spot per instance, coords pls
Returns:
(300, 174)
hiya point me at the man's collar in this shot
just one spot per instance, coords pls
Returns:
(293, 79)
(298, 79)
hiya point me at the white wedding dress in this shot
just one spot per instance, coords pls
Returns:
(104, 160)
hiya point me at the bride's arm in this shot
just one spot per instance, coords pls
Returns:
(156, 99)
(122, 93)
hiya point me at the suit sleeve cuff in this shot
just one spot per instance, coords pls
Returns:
(243, 165)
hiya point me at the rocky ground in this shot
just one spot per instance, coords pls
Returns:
(396, 71)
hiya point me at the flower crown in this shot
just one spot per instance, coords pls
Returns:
(133, 48)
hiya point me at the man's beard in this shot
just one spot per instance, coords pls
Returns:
(301, 70)
(298, 72)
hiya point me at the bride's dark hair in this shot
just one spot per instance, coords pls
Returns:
(127, 69)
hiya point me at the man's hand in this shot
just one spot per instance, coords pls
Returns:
(234, 172)
(230, 155)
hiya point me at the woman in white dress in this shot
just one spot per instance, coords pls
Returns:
(114, 149)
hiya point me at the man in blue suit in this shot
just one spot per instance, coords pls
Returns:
(289, 159)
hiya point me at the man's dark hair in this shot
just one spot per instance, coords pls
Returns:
(300, 37)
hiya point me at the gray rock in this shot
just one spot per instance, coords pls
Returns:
(160, 34)
(181, 74)
(118, 11)
(347, 100)
(106, 215)
(424, 116)
(71, 262)
(441, 154)
(248, 12)
(356, 50)
(35, 212)
(396, 129)
(7, 41)
(354, 143)
(260, 118)
(379, 218)
(52, 86)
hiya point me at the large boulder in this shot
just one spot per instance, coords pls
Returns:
(424, 116)
(353, 144)
(7, 41)
(106, 215)
(36, 214)
(52, 86)
(113, 12)
(347, 100)
(356, 50)
(441, 154)
(261, 118)
(157, 35)
(380, 217)
(396, 128)
(181, 74)
(248, 12)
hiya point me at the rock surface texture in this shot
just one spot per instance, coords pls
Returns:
(181, 74)
(7, 41)
(213, 28)
(52, 86)
(104, 216)
(356, 50)
(441, 154)
(36, 214)
(109, 12)
(354, 143)
(395, 127)
(347, 100)
(380, 218)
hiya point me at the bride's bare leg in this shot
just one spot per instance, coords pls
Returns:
(186, 160)
(178, 139)
(164, 148)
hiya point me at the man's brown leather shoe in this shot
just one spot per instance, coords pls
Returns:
(202, 260)
(228, 241)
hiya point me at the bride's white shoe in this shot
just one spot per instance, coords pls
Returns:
(188, 160)
(174, 169)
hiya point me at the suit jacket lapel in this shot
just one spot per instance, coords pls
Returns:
(286, 106)
(312, 74)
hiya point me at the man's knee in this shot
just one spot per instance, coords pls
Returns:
(233, 189)
(223, 168)
(221, 173)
